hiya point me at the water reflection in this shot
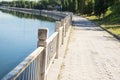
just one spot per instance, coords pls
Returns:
(28, 16)
(18, 37)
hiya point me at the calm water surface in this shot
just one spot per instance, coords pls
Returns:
(18, 38)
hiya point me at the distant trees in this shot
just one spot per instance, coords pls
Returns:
(22, 4)
(100, 7)
(4, 3)
(78, 6)
(41, 4)
(88, 7)
(0, 3)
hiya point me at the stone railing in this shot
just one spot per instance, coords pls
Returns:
(38, 63)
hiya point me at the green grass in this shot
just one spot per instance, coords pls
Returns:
(113, 25)
(114, 29)
(111, 21)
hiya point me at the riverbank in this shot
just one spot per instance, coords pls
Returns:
(111, 26)
(18, 37)
(53, 14)
(50, 50)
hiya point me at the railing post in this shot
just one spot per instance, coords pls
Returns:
(71, 14)
(68, 22)
(57, 27)
(42, 36)
(65, 25)
(62, 23)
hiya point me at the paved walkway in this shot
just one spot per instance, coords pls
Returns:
(92, 54)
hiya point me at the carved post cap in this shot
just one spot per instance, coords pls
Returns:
(42, 36)
(57, 26)
(62, 22)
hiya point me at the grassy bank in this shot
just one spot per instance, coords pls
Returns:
(111, 21)
(114, 28)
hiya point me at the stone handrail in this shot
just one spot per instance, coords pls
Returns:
(28, 67)
(37, 64)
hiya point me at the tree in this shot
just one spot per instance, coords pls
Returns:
(88, 8)
(100, 7)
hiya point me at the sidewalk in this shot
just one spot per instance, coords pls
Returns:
(93, 54)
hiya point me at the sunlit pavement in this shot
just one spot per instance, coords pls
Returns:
(93, 54)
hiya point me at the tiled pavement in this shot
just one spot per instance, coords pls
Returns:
(93, 54)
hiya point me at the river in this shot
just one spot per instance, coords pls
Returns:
(18, 37)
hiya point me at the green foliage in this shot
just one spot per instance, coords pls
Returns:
(100, 7)
(111, 21)
(88, 7)
(108, 11)
(116, 8)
